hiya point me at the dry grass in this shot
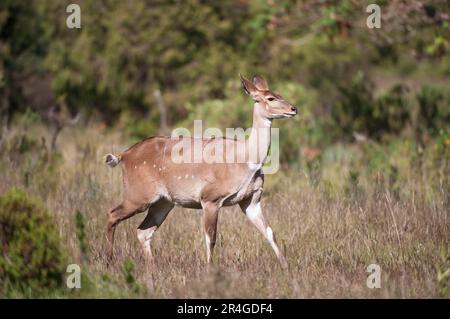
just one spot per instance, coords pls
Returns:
(328, 237)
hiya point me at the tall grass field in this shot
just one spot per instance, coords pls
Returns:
(332, 220)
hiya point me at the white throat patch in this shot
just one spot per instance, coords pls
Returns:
(254, 166)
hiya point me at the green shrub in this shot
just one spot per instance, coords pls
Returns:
(359, 110)
(80, 224)
(434, 108)
(140, 128)
(32, 262)
(128, 274)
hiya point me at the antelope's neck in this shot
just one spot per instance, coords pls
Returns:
(258, 144)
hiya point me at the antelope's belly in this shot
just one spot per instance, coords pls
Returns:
(185, 194)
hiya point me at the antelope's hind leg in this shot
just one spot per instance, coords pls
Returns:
(115, 216)
(156, 215)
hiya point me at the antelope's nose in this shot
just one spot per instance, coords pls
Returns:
(294, 109)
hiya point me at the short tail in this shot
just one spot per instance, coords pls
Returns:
(112, 160)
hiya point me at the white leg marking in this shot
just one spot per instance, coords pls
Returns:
(269, 233)
(254, 214)
(269, 236)
(208, 247)
(145, 237)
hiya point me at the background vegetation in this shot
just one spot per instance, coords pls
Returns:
(365, 165)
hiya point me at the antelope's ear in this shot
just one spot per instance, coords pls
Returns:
(260, 83)
(249, 87)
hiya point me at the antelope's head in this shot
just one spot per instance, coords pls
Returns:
(267, 103)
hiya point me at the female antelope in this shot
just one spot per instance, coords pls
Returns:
(155, 183)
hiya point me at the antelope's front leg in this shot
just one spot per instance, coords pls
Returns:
(252, 209)
(210, 216)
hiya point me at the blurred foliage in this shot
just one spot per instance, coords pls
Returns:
(360, 111)
(80, 224)
(346, 79)
(128, 274)
(434, 110)
(32, 261)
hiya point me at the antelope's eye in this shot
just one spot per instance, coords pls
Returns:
(271, 98)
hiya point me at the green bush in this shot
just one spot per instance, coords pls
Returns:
(128, 274)
(359, 110)
(434, 108)
(32, 261)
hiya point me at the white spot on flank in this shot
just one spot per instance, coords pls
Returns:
(135, 166)
(145, 162)
(179, 177)
(192, 176)
(159, 169)
(154, 165)
(186, 176)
